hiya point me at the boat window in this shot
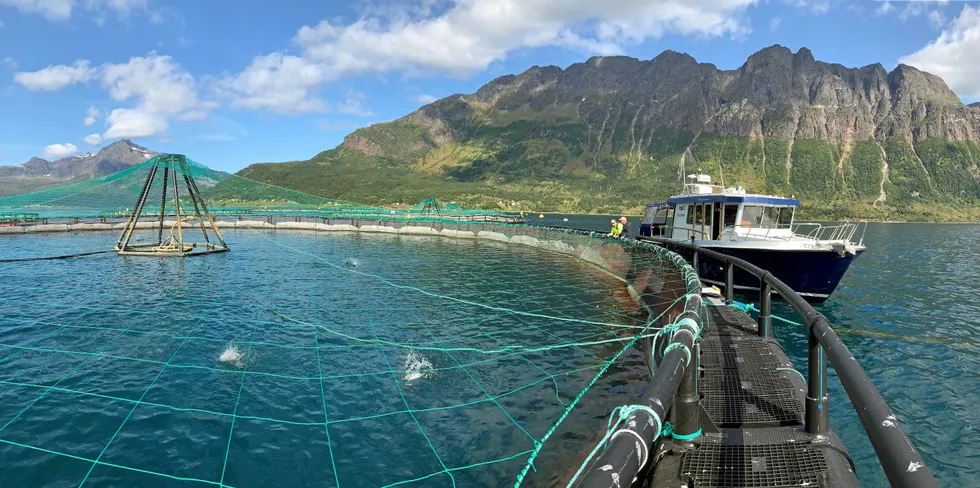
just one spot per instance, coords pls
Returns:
(755, 216)
(696, 214)
(648, 216)
(781, 216)
(731, 211)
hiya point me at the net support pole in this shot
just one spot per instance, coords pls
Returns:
(817, 419)
(729, 282)
(765, 309)
(163, 205)
(630, 447)
(899, 459)
(127, 233)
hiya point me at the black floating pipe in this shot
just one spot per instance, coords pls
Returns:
(898, 457)
(629, 447)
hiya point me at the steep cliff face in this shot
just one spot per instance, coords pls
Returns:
(614, 132)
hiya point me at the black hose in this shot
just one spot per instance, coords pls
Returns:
(50, 258)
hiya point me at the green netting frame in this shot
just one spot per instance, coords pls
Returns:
(227, 194)
(658, 280)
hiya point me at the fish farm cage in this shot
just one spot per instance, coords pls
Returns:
(467, 369)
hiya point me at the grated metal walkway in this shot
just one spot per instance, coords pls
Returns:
(751, 418)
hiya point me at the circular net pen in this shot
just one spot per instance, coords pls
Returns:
(473, 355)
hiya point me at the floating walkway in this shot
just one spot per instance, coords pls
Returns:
(752, 418)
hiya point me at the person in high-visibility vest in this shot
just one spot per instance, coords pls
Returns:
(614, 231)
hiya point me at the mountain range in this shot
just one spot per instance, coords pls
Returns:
(613, 133)
(39, 174)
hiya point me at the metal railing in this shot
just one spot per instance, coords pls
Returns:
(899, 459)
(843, 231)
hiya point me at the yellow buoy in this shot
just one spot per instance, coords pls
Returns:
(541, 216)
(565, 220)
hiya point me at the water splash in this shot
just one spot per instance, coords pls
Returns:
(232, 356)
(353, 263)
(416, 366)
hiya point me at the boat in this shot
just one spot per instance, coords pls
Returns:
(809, 257)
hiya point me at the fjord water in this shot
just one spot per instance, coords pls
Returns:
(907, 310)
(281, 362)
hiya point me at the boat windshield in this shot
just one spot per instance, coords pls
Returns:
(767, 217)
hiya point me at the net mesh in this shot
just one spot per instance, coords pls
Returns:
(488, 355)
(116, 194)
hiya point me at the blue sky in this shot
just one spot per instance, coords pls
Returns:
(230, 83)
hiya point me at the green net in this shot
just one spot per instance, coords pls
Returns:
(115, 195)
(419, 352)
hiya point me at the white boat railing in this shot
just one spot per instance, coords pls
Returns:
(820, 233)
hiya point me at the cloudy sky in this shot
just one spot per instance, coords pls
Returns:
(230, 83)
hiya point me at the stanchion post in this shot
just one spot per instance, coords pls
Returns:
(729, 282)
(817, 412)
(765, 308)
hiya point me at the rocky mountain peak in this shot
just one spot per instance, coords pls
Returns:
(42, 173)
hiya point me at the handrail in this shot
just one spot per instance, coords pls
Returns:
(624, 456)
(898, 457)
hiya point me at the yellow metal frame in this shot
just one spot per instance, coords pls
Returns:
(174, 244)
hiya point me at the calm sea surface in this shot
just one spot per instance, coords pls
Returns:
(284, 362)
(304, 359)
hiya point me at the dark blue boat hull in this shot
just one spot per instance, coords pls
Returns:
(812, 274)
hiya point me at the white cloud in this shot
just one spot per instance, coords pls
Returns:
(954, 55)
(94, 114)
(774, 23)
(425, 99)
(49, 9)
(884, 8)
(936, 19)
(134, 122)
(278, 82)
(56, 77)
(916, 8)
(93, 139)
(465, 37)
(59, 10)
(352, 105)
(10, 63)
(156, 86)
(58, 151)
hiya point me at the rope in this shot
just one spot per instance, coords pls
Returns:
(52, 258)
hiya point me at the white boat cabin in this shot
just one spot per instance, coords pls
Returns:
(707, 212)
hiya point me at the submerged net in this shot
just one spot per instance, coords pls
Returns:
(488, 355)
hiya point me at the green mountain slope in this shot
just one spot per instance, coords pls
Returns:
(613, 134)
